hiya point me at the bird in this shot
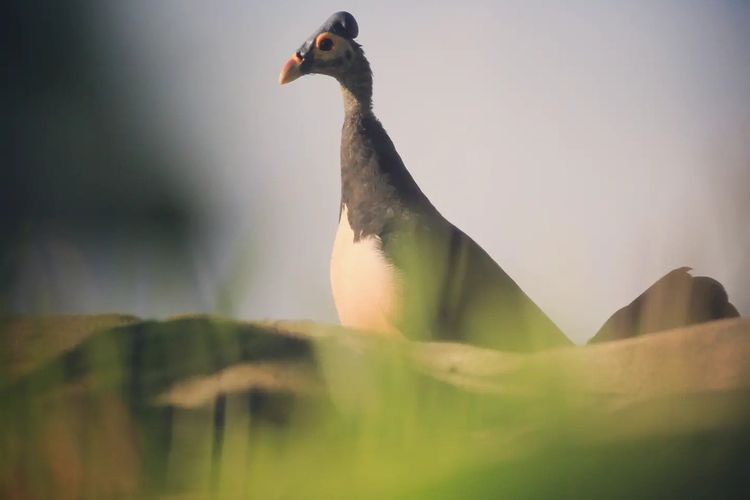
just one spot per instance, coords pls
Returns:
(398, 267)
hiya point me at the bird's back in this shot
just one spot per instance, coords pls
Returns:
(454, 291)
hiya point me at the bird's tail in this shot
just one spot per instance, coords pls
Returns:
(677, 299)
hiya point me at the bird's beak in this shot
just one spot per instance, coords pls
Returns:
(291, 70)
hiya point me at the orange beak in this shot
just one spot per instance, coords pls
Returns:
(291, 70)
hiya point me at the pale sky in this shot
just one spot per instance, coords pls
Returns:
(589, 147)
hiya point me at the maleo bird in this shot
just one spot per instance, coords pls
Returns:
(398, 266)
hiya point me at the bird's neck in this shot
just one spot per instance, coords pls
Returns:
(356, 88)
(375, 185)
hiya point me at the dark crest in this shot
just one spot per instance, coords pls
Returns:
(342, 24)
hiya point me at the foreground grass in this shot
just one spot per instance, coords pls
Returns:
(208, 408)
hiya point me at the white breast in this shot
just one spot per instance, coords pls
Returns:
(364, 283)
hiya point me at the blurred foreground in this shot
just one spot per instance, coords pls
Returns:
(110, 406)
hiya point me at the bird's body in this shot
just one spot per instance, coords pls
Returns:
(398, 266)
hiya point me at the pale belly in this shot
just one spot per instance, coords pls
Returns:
(364, 284)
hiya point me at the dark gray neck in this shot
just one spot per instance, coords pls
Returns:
(356, 87)
(376, 188)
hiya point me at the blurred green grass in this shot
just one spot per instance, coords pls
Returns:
(309, 411)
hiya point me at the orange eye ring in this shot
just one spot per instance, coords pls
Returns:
(324, 42)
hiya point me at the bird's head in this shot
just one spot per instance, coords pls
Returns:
(331, 50)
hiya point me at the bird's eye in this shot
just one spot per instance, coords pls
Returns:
(325, 44)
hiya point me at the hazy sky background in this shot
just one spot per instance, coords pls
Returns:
(589, 147)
